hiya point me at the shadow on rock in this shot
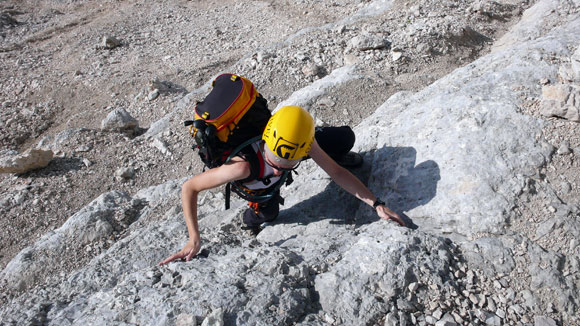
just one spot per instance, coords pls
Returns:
(393, 176)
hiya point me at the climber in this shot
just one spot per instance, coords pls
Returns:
(289, 138)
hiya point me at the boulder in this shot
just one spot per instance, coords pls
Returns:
(119, 120)
(32, 159)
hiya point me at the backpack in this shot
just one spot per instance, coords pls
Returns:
(231, 117)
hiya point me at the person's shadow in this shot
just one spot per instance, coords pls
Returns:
(390, 173)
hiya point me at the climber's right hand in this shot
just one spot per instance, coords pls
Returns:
(189, 251)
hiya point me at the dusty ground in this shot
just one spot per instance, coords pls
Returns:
(56, 76)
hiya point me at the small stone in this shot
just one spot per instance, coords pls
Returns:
(312, 70)
(119, 120)
(396, 55)
(564, 148)
(413, 287)
(544, 321)
(185, 320)
(83, 148)
(473, 298)
(565, 187)
(500, 313)
(87, 163)
(161, 146)
(492, 320)
(430, 320)
(391, 320)
(544, 81)
(437, 314)
(368, 42)
(216, 318)
(491, 304)
(125, 173)
(110, 42)
(504, 282)
(153, 94)
(481, 298)
(403, 319)
(457, 317)
(405, 305)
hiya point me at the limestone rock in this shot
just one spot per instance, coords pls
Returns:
(561, 101)
(119, 120)
(90, 224)
(367, 42)
(32, 159)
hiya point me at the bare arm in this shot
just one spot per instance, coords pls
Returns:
(236, 169)
(350, 183)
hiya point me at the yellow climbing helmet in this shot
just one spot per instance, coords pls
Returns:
(289, 134)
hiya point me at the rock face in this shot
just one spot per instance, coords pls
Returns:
(32, 159)
(461, 159)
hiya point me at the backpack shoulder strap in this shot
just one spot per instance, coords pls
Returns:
(251, 156)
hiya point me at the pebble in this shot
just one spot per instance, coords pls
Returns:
(497, 285)
(473, 299)
(437, 314)
(430, 320)
(500, 313)
(413, 287)
(153, 95)
(491, 304)
(396, 55)
(564, 148)
(125, 173)
(110, 42)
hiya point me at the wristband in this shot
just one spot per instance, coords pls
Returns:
(378, 202)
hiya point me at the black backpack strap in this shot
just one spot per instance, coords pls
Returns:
(252, 158)
(250, 155)
(228, 193)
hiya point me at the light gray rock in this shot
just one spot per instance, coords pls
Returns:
(367, 42)
(363, 275)
(153, 95)
(86, 226)
(119, 120)
(570, 72)
(32, 159)
(489, 255)
(544, 321)
(161, 146)
(184, 319)
(429, 145)
(564, 148)
(561, 101)
(391, 320)
(453, 157)
(216, 318)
